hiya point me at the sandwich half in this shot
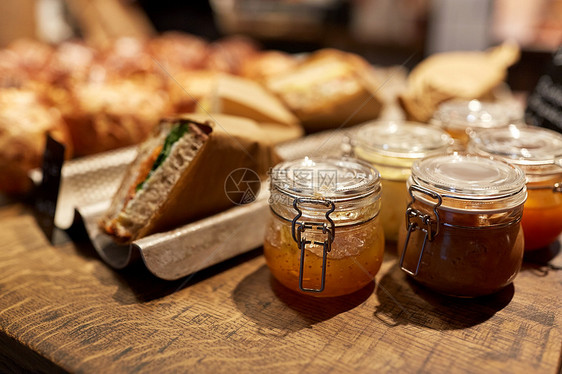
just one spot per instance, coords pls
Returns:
(180, 171)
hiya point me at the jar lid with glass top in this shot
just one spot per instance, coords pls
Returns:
(328, 178)
(462, 114)
(328, 207)
(536, 150)
(395, 144)
(468, 183)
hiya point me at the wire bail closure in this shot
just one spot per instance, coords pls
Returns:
(328, 229)
(416, 220)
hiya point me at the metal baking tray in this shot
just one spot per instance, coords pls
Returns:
(88, 184)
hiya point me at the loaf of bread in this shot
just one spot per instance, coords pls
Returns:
(455, 75)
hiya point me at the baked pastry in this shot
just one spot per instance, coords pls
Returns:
(72, 61)
(329, 89)
(191, 90)
(24, 122)
(180, 173)
(176, 52)
(126, 58)
(263, 65)
(33, 57)
(228, 54)
(11, 73)
(108, 115)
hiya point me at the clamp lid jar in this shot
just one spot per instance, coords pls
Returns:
(324, 237)
(462, 232)
(538, 152)
(392, 147)
(462, 117)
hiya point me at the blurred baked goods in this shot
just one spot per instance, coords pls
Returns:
(112, 95)
(11, 73)
(33, 57)
(113, 114)
(267, 64)
(191, 90)
(72, 61)
(228, 54)
(177, 52)
(24, 121)
(214, 92)
(329, 89)
(455, 75)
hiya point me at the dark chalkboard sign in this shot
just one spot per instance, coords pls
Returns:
(544, 106)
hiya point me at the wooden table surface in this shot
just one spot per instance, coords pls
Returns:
(63, 309)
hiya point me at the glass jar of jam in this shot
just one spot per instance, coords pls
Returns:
(392, 147)
(538, 152)
(461, 117)
(461, 236)
(324, 237)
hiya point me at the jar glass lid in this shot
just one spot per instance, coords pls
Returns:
(462, 114)
(524, 146)
(402, 139)
(336, 179)
(470, 177)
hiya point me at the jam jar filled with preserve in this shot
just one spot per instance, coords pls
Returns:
(461, 234)
(462, 117)
(324, 237)
(538, 152)
(392, 147)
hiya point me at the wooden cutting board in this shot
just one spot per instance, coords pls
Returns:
(62, 309)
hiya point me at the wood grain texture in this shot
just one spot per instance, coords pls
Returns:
(64, 305)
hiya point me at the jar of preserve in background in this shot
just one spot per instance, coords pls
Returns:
(324, 236)
(538, 152)
(461, 117)
(392, 147)
(461, 235)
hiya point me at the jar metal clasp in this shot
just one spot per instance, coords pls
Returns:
(327, 228)
(416, 220)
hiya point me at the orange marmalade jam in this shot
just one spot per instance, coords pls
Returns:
(354, 260)
(538, 152)
(324, 238)
(542, 214)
